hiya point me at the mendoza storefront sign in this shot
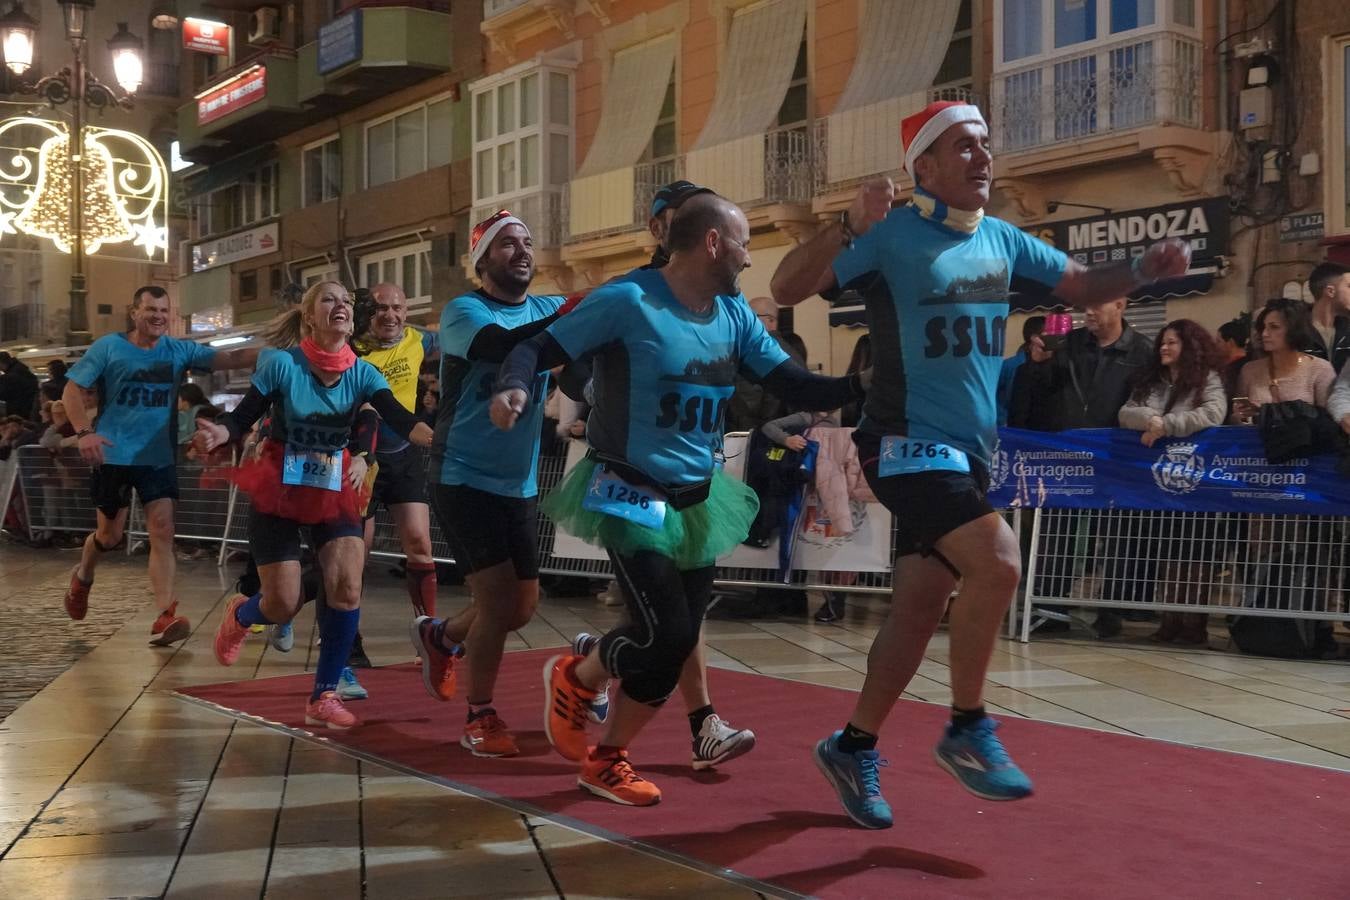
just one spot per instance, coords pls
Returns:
(234, 247)
(249, 86)
(1216, 470)
(1117, 236)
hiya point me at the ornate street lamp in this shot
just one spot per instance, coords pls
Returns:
(74, 85)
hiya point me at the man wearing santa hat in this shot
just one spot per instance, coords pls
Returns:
(484, 493)
(929, 426)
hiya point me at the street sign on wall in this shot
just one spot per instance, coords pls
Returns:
(1302, 227)
(234, 247)
(340, 42)
(206, 36)
(247, 87)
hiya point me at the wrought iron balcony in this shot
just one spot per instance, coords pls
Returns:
(544, 212)
(1120, 86)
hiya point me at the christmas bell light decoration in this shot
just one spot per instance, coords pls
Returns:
(47, 213)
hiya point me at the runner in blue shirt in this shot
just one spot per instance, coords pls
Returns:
(303, 477)
(928, 427)
(668, 344)
(713, 739)
(132, 444)
(484, 490)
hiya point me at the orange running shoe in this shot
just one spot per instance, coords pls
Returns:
(612, 777)
(230, 634)
(77, 595)
(565, 708)
(169, 627)
(329, 711)
(488, 736)
(438, 667)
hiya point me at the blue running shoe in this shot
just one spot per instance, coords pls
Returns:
(976, 758)
(855, 779)
(582, 645)
(283, 637)
(348, 687)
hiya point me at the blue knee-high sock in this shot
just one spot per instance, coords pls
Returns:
(337, 630)
(250, 612)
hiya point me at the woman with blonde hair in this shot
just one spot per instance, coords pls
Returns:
(305, 477)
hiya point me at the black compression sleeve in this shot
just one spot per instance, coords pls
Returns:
(249, 410)
(493, 342)
(393, 413)
(539, 353)
(366, 431)
(791, 382)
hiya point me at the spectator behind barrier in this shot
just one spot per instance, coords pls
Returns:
(858, 361)
(1031, 403)
(192, 403)
(56, 380)
(60, 433)
(1179, 394)
(18, 387)
(15, 432)
(1329, 337)
(1091, 377)
(1007, 375)
(1282, 373)
(1235, 338)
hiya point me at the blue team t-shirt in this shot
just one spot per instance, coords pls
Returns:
(938, 330)
(138, 394)
(306, 414)
(468, 449)
(663, 374)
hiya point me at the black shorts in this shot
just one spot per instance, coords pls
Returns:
(272, 539)
(486, 529)
(402, 478)
(111, 486)
(927, 505)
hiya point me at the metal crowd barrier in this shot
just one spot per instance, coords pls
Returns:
(1287, 566)
(1291, 566)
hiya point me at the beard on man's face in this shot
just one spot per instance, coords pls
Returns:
(508, 276)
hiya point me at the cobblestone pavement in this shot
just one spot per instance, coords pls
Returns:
(38, 641)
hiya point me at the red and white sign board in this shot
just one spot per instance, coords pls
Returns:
(248, 87)
(206, 36)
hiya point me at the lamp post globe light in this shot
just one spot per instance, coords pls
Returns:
(76, 86)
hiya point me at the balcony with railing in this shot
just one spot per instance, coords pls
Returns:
(1117, 87)
(854, 145)
(617, 202)
(161, 79)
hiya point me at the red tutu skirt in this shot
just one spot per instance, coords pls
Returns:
(260, 477)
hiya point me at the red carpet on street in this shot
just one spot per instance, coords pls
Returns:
(1113, 816)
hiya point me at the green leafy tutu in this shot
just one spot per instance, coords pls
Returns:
(693, 537)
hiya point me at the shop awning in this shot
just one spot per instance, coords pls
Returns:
(227, 172)
(755, 74)
(634, 92)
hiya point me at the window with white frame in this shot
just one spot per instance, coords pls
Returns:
(324, 271)
(662, 147)
(409, 141)
(1336, 184)
(251, 199)
(522, 134)
(321, 171)
(408, 266)
(1074, 68)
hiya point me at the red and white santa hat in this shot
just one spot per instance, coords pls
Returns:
(917, 132)
(487, 230)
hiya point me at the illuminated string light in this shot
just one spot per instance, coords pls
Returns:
(124, 187)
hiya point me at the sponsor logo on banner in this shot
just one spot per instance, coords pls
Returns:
(1046, 474)
(998, 467)
(1179, 470)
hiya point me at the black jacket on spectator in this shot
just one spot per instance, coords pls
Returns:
(19, 390)
(1033, 397)
(1091, 383)
(52, 388)
(1339, 351)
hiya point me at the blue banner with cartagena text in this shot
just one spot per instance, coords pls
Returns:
(1215, 470)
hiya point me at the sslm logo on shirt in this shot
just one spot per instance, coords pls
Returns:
(144, 396)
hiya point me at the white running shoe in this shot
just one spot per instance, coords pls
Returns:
(718, 742)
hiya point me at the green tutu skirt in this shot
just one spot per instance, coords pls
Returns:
(693, 537)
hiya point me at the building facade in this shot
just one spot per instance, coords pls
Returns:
(337, 147)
